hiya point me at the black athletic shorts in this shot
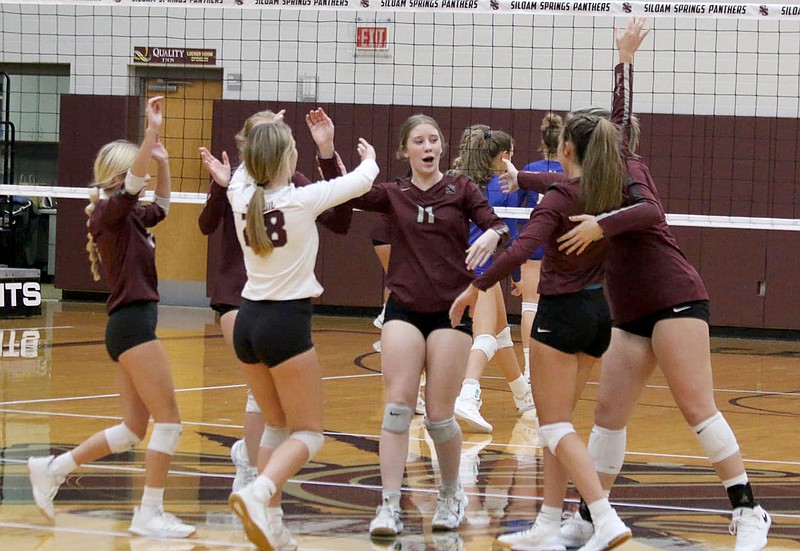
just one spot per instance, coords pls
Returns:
(272, 331)
(223, 309)
(573, 323)
(129, 326)
(426, 322)
(644, 326)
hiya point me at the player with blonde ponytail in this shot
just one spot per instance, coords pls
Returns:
(122, 251)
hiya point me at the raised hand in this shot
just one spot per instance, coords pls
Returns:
(159, 152)
(220, 171)
(322, 131)
(629, 39)
(365, 150)
(155, 118)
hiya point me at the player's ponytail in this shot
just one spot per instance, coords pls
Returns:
(266, 151)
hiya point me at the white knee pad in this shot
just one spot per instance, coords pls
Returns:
(486, 344)
(442, 431)
(530, 307)
(607, 448)
(550, 435)
(312, 440)
(165, 437)
(397, 418)
(503, 338)
(716, 438)
(120, 438)
(252, 405)
(273, 437)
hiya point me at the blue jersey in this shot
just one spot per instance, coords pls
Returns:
(496, 198)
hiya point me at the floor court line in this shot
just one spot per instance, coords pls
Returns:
(190, 389)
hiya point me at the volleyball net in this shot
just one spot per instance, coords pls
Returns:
(716, 85)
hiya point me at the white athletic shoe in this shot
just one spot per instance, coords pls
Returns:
(278, 535)
(467, 409)
(388, 522)
(45, 485)
(609, 532)
(575, 530)
(245, 474)
(750, 526)
(450, 511)
(156, 523)
(539, 537)
(525, 403)
(376, 346)
(252, 512)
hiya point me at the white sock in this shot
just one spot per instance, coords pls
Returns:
(600, 508)
(470, 388)
(519, 386)
(527, 353)
(62, 465)
(153, 498)
(391, 497)
(550, 515)
(264, 488)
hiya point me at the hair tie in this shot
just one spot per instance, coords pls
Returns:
(487, 134)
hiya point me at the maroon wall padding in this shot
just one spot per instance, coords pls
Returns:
(87, 123)
(782, 298)
(733, 263)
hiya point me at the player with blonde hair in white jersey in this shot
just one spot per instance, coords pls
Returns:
(275, 224)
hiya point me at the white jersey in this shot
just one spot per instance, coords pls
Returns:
(289, 215)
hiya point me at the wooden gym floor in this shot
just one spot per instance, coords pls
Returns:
(57, 388)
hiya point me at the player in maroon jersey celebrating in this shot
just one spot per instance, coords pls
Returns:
(121, 247)
(429, 214)
(661, 311)
(572, 327)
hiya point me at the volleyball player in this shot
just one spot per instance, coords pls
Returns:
(121, 247)
(661, 310)
(429, 214)
(275, 224)
(481, 159)
(572, 327)
(528, 284)
(226, 295)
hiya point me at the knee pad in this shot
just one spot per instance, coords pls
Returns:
(397, 418)
(252, 405)
(550, 435)
(312, 440)
(607, 448)
(530, 307)
(486, 344)
(272, 437)
(120, 438)
(442, 431)
(716, 438)
(165, 437)
(503, 338)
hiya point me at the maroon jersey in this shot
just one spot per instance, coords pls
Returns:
(561, 273)
(430, 236)
(645, 270)
(217, 210)
(127, 249)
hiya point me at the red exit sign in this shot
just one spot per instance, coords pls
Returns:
(372, 38)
